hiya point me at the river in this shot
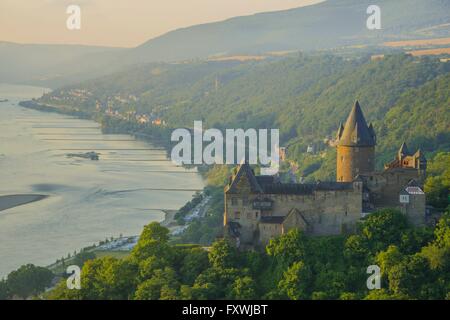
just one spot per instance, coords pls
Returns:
(88, 200)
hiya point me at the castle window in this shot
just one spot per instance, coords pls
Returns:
(245, 200)
(256, 214)
(237, 215)
(233, 201)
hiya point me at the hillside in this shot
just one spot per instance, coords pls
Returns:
(304, 96)
(328, 25)
(53, 65)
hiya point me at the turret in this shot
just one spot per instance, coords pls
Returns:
(355, 146)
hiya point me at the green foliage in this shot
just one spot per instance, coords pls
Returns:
(408, 275)
(162, 285)
(108, 278)
(243, 288)
(82, 257)
(195, 262)
(27, 281)
(442, 231)
(293, 266)
(437, 184)
(382, 228)
(305, 96)
(288, 248)
(153, 242)
(384, 294)
(223, 254)
(4, 291)
(296, 281)
(61, 292)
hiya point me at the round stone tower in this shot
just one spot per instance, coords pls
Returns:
(355, 147)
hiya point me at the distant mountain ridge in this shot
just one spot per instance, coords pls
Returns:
(327, 25)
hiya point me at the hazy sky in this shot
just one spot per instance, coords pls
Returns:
(119, 22)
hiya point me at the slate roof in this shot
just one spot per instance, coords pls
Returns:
(270, 185)
(403, 151)
(305, 189)
(356, 132)
(272, 219)
(244, 169)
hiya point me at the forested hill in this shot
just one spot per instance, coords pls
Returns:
(304, 96)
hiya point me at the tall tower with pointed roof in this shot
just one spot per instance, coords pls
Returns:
(355, 146)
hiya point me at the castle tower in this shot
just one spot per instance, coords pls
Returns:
(408, 160)
(355, 147)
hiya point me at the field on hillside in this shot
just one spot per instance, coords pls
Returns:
(427, 52)
(418, 43)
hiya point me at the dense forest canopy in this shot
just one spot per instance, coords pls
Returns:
(305, 96)
(414, 264)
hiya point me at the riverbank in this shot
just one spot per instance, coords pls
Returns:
(156, 135)
(15, 200)
(89, 200)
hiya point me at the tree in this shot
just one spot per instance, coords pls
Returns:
(153, 242)
(243, 288)
(348, 296)
(194, 263)
(389, 258)
(61, 292)
(223, 254)
(383, 294)
(356, 249)
(108, 278)
(162, 285)
(215, 283)
(442, 231)
(148, 266)
(29, 280)
(296, 281)
(288, 248)
(82, 257)
(437, 184)
(383, 228)
(154, 231)
(407, 277)
(437, 191)
(4, 291)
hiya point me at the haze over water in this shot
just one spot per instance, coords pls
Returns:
(88, 200)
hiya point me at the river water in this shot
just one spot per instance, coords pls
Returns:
(88, 200)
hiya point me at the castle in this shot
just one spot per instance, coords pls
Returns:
(258, 208)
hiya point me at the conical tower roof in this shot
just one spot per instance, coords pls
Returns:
(403, 151)
(356, 133)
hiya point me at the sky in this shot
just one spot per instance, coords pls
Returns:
(121, 23)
